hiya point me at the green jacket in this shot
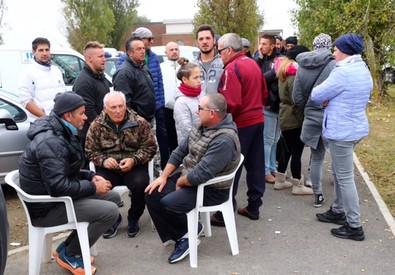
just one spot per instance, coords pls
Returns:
(290, 116)
(132, 139)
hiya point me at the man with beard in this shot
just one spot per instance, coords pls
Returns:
(209, 61)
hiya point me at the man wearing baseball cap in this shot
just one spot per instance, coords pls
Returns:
(51, 165)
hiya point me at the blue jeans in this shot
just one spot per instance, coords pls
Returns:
(271, 134)
(346, 195)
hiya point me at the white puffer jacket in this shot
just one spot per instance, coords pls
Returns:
(40, 84)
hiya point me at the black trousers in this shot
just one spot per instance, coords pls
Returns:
(136, 180)
(251, 141)
(292, 149)
(161, 136)
(171, 129)
(168, 208)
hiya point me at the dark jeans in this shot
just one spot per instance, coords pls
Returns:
(161, 136)
(168, 208)
(251, 141)
(292, 149)
(171, 129)
(136, 180)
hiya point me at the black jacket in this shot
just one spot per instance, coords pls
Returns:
(267, 67)
(135, 81)
(92, 87)
(51, 164)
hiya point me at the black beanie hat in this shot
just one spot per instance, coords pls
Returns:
(67, 102)
(291, 40)
(294, 51)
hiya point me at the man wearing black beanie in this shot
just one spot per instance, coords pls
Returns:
(51, 165)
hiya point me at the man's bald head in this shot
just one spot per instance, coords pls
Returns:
(172, 51)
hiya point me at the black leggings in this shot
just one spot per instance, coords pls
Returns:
(292, 148)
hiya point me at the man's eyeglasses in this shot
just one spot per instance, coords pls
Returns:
(149, 38)
(221, 50)
(200, 108)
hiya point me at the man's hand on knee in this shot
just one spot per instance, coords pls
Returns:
(159, 183)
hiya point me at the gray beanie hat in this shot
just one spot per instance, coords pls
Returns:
(245, 42)
(142, 33)
(322, 41)
(67, 102)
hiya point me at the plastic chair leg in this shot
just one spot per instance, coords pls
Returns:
(36, 242)
(230, 225)
(84, 244)
(192, 217)
(93, 249)
(47, 248)
(205, 217)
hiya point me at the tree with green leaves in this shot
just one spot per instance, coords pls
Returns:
(125, 14)
(237, 16)
(88, 20)
(373, 19)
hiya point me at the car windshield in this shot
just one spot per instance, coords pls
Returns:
(17, 113)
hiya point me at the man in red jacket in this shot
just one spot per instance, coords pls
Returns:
(244, 88)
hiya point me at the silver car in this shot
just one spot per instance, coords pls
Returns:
(13, 128)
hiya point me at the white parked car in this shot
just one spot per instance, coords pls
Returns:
(13, 128)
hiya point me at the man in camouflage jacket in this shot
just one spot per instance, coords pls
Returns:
(120, 144)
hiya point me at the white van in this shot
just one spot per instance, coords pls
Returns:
(14, 60)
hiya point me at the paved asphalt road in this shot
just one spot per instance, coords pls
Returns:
(287, 239)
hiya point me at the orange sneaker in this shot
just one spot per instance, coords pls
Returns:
(62, 246)
(74, 264)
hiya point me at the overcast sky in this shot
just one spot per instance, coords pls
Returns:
(27, 19)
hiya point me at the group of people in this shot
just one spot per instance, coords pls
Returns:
(219, 106)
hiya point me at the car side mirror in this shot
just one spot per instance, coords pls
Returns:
(7, 120)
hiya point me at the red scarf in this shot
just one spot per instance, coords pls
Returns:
(190, 91)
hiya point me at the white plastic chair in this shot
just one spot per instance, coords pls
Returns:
(227, 211)
(40, 238)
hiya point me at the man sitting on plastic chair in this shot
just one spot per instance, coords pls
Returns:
(120, 143)
(51, 166)
(212, 149)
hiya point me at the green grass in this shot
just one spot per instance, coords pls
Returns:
(377, 151)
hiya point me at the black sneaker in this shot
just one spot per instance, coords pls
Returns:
(181, 250)
(110, 233)
(347, 232)
(332, 217)
(133, 229)
(318, 200)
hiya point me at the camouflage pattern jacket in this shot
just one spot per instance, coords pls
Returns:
(131, 139)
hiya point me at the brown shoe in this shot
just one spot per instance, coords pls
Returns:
(244, 212)
(216, 222)
(270, 179)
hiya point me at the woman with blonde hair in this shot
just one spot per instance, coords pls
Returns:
(290, 120)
